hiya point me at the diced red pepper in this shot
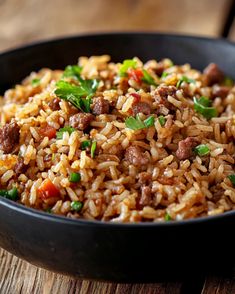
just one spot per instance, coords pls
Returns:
(135, 74)
(137, 97)
(48, 131)
(48, 190)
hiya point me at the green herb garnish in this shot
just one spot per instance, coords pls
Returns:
(85, 144)
(184, 79)
(73, 71)
(148, 79)
(128, 63)
(162, 120)
(164, 75)
(167, 217)
(232, 179)
(202, 106)
(10, 194)
(75, 177)
(76, 205)
(137, 124)
(79, 96)
(93, 148)
(59, 134)
(149, 122)
(35, 82)
(202, 150)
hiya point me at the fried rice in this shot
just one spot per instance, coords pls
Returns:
(120, 142)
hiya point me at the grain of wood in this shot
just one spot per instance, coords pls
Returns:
(29, 20)
(20, 277)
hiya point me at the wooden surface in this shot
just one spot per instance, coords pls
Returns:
(23, 21)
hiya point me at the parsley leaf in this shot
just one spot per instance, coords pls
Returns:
(75, 94)
(73, 71)
(59, 134)
(186, 80)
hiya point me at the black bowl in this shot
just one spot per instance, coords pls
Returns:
(107, 251)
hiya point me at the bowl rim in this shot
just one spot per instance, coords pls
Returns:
(51, 40)
(31, 212)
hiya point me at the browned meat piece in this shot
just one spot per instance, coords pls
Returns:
(54, 104)
(141, 107)
(162, 93)
(159, 69)
(100, 106)
(81, 120)
(136, 156)
(212, 74)
(220, 91)
(20, 167)
(185, 148)
(9, 137)
(144, 178)
(146, 196)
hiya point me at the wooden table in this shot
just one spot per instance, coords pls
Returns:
(30, 20)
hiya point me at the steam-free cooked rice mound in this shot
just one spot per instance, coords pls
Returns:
(125, 142)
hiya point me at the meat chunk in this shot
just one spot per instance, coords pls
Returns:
(100, 106)
(9, 137)
(54, 104)
(20, 167)
(141, 107)
(159, 68)
(161, 95)
(136, 156)
(220, 91)
(146, 196)
(164, 91)
(185, 148)
(212, 74)
(81, 120)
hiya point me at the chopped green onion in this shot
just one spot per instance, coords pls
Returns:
(232, 179)
(128, 63)
(164, 75)
(228, 82)
(59, 134)
(75, 177)
(48, 210)
(149, 122)
(85, 144)
(76, 205)
(35, 82)
(200, 107)
(73, 71)
(202, 150)
(167, 217)
(10, 194)
(184, 79)
(93, 148)
(147, 78)
(137, 124)
(134, 123)
(162, 120)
